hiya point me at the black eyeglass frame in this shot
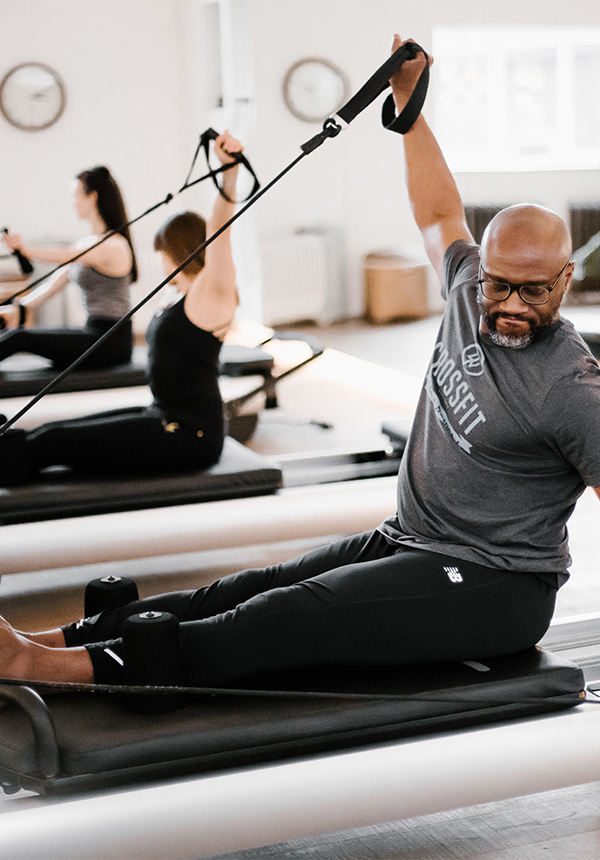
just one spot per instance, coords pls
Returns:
(518, 287)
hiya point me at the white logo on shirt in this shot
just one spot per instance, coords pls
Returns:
(473, 359)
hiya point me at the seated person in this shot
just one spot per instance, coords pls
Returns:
(183, 428)
(504, 441)
(103, 275)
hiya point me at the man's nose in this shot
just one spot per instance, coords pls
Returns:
(514, 303)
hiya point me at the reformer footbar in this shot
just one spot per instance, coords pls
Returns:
(376, 84)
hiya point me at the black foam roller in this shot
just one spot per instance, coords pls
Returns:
(101, 594)
(151, 656)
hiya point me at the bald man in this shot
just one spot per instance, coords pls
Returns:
(504, 441)
(506, 436)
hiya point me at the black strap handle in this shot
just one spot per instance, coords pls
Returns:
(406, 119)
(239, 158)
(209, 134)
(377, 83)
(24, 262)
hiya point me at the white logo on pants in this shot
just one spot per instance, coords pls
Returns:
(454, 574)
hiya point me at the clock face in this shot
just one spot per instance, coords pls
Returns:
(313, 89)
(32, 96)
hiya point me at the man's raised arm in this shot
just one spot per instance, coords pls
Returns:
(436, 204)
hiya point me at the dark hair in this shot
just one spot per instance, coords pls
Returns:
(179, 237)
(111, 207)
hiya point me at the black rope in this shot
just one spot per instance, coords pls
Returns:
(54, 382)
(76, 257)
(240, 158)
(376, 84)
(209, 134)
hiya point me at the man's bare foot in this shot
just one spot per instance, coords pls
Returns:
(14, 650)
(50, 638)
(23, 659)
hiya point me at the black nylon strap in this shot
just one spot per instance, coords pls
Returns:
(405, 120)
(209, 134)
(379, 81)
(75, 364)
(239, 158)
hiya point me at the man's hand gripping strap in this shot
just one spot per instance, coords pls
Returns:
(406, 119)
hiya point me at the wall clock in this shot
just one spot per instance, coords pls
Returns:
(32, 96)
(314, 88)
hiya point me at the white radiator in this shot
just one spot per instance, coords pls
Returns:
(297, 278)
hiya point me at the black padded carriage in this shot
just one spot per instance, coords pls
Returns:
(89, 740)
(58, 493)
(27, 375)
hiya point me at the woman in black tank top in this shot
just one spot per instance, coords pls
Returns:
(102, 274)
(183, 428)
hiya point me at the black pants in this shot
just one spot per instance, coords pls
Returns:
(126, 441)
(63, 345)
(359, 601)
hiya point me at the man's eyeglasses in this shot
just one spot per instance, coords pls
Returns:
(531, 294)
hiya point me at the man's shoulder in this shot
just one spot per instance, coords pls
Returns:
(461, 264)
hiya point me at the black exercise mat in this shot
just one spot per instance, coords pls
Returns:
(58, 493)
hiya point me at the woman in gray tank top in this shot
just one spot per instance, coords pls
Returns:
(103, 275)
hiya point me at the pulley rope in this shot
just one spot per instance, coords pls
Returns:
(375, 85)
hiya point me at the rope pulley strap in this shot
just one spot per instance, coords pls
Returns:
(406, 119)
(209, 135)
(239, 158)
(377, 83)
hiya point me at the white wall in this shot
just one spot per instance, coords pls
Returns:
(141, 80)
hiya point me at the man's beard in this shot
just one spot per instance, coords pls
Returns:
(506, 340)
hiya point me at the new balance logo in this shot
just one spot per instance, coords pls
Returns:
(454, 574)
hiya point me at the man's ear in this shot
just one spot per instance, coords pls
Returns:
(569, 277)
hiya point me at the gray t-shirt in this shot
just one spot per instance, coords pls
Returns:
(105, 296)
(504, 440)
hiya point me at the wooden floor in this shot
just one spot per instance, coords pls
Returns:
(557, 825)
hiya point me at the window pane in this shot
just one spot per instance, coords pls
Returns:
(587, 96)
(461, 96)
(531, 82)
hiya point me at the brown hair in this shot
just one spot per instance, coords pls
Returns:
(179, 237)
(111, 207)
